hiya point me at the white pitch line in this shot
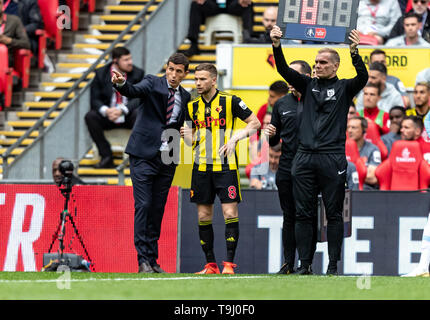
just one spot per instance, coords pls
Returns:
(133, 279)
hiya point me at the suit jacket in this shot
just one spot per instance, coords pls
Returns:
(102, 90)
(145, 139)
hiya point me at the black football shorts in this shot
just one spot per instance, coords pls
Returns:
(205, 185)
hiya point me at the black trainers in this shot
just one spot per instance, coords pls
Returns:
(286, 269)
(192, 50)
(332, 269)
(304, 271)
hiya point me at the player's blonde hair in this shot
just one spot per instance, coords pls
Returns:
(333, 53)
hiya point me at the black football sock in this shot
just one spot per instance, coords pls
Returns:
(206, 234)
(231, 237)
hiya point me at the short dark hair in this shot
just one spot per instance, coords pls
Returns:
(305, 67)
(377, 66)
(279, 87)
(277, 148)
(363, 122)
(418, 122)
(179, 58)
(207, 67)
(423, 84)
(400, 108)
(373, 85)
(377, 51)
(118, 52)
(411, 14)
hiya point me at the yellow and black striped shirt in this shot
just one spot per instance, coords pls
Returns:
(214, 123)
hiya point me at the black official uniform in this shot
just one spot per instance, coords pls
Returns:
(320, 163)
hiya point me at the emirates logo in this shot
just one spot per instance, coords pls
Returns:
(405, 156)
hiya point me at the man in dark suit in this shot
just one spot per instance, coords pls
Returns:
(109, 109)
(163, 107)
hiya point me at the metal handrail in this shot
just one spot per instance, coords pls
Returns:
(39, 122)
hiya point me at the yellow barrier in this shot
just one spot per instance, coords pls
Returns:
(253, 67)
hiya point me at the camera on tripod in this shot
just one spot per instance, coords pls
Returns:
(51, 261)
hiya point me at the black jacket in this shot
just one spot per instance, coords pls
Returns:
(102, 90)
(325, 105)
(286, 118)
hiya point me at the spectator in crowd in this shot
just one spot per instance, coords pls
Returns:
(421, 100)
(202, 9)
(390, 97)
(411, 128)
(352, 182)
(377, 17)
(379, 55)
(29, 13)
(423, 76)
(420, 7)
(12, 33)
(371, 96)
(411, 36)
(109, 109)
(396, 115)
(352, 112)
(269, 20)
(58, 176)
(277, 90)
(370, 153)
(263, 176)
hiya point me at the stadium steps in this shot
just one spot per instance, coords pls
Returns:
(72, 62)
(80, 50)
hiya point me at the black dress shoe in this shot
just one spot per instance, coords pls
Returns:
(157, 269)
(286, 269)
(106, 162)
(145, 267)
(192, 50)
(304, 271)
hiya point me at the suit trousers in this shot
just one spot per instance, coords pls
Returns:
(151, 184)
(96, 124)
(284, 182)
(312, 173)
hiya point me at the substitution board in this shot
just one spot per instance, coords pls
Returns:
(318, 20)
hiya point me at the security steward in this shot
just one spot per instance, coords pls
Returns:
(320, 164)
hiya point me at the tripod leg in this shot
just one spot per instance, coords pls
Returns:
(81, 241)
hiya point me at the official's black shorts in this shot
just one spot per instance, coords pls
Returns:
(205, 185)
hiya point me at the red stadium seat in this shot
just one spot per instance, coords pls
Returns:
(372, 135)
(49, 11)
(405, 168)
(91, 5)
(353, 155)
(74, 8)
(6, 75)
(23, 65)
(42, 48)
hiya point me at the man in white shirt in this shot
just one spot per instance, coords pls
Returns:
(377, 17)
(411, 25)
(390, 97)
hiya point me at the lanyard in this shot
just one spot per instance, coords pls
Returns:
(374, 11)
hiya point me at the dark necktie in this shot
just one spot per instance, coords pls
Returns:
(170, 104)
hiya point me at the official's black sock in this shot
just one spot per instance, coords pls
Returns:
(206, 234)
(231, 237)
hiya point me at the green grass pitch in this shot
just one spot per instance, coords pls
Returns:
(110, 286)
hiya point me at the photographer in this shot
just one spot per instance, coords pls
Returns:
(58, 176)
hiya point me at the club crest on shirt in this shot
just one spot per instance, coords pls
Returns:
(218, 109)
(330, 93)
